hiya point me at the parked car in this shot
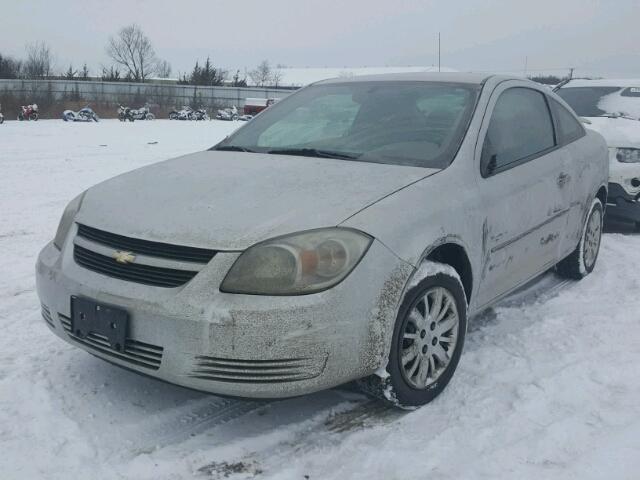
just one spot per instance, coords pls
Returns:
(346, 233)
(612, 108)
(253, 106)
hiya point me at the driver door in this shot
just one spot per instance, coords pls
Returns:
(521, 171)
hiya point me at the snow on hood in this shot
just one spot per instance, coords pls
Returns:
(231, 200)
(616, 103)
(618, 132)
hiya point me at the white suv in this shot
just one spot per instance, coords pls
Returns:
(612, 108)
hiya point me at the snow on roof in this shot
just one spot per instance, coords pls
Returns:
(294, 76)
(604, 82)
(455, 77)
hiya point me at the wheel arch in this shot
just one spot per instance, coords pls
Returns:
(602, 195)
(455, 255)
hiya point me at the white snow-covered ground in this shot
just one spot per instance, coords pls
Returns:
(548, 386)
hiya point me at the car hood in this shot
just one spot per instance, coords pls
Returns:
(618, 132)
(231, 200)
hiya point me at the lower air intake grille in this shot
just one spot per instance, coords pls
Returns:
(135, 352)
(46, 314)
(256, 371)
(146, 274)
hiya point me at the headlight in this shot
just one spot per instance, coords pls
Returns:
(67, 220)
(628, 155)
(297, 264)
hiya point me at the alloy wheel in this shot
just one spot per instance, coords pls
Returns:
(592, 236)
(429, 337)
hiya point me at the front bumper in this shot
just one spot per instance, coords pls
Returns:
(621, 205)
(230, 344)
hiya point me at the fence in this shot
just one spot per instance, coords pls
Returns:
(52, 95)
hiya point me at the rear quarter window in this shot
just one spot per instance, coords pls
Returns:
(569, 129)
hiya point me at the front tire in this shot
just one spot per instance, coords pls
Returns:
(582, 260)
(427, 341)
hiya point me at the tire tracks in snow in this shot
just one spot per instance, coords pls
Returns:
(329, 424)
(194, 421)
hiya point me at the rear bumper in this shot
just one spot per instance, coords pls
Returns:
(238, 345)
(621, 205)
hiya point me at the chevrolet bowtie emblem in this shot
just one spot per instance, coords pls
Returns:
(123, 257)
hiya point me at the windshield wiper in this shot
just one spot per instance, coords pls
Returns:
(624, 115)
(314, 152)
(233, 148)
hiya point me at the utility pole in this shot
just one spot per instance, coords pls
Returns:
(438, 51)
(570, 73)
(525, 66)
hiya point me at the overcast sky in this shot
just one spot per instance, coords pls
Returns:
(595, 37)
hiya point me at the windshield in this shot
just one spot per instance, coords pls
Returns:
(603, 101)
(401, 123)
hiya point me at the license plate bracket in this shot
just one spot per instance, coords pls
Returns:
(91, 317)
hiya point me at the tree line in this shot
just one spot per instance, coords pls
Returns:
(134, 59)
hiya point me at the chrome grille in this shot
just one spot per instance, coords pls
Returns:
(135, 352)
(256, 371)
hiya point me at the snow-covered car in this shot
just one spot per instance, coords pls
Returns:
(612, 108)
(346, 233)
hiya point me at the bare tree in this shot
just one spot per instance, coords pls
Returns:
(262, 74)
(39, 62)
(132, 49)
(276, 76)
(163, 69)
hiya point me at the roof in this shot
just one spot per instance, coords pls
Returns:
(299, 76)
(446, 77)
(604, 82)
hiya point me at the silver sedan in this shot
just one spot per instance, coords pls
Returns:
(346, 233)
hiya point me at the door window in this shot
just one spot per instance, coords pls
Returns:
(520, 129)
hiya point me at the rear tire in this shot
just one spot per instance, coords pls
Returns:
(427, 342)
(582, 260)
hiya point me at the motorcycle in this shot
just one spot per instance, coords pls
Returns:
(29, 112)
(185, 114)
(124, 114)
(143, 113)
(84, 115)
(228, 114)
(200, 114)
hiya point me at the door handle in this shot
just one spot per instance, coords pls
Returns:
(563, 179)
